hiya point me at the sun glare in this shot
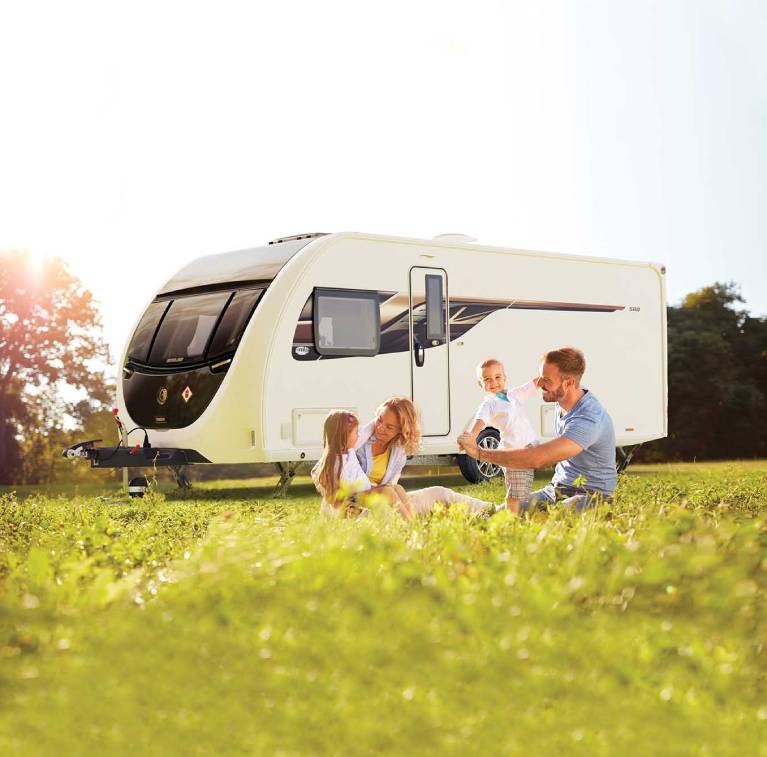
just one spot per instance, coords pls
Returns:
(36, 262)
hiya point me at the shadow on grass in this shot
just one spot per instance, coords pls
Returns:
(296, 490)
(263, 488)
(259, 490)
(242, 489)
(249, 491)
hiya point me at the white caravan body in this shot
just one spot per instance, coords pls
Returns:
(342, 321)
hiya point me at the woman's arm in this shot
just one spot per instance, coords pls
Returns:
(352, 474)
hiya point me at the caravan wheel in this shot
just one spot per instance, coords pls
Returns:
(138, 486)
(474, 471)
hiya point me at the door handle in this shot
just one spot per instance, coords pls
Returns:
(420, 353)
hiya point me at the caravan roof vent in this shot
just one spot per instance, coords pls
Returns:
(299, 236)
(456, 238)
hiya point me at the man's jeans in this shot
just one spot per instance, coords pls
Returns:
(567, 496)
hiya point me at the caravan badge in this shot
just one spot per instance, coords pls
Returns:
(162, 396)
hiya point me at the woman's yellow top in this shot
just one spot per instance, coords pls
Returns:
(378, 471)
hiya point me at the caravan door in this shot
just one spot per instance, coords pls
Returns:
(429, 354)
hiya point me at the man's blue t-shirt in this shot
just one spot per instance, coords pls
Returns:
(589, 425)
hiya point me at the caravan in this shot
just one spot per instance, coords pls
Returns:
(240, 356)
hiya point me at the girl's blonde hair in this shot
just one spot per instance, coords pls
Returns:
(409, 436)
(335, 434)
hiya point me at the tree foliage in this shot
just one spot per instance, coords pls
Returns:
(717, 378)
(50, 337)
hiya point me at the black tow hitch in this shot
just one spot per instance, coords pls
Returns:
(131, 457)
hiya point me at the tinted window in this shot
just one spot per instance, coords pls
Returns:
(346, 322)
(234, 321)
(435, 321)
(186, 328)
(142, 338)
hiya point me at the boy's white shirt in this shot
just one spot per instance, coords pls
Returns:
(509, 417)
(351, 476)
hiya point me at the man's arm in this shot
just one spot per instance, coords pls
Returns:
(542, 456)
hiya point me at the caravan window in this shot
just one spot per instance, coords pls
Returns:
(435, 310)
(184, 332)
(346, 322)
(233, 323)
(142, 338)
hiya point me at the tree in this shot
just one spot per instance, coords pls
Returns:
(50, 336)
(717, 377)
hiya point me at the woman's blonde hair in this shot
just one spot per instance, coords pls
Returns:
(409, 435)
(335, 434)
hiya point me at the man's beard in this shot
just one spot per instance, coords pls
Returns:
(554, 396)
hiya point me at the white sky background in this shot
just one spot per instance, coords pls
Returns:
(136, 136)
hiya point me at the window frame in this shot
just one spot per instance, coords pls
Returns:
(351, 294)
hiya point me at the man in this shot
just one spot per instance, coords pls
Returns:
(584, 450)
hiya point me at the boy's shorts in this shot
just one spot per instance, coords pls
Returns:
(519, 483)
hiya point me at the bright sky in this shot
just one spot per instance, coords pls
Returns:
(136, 136)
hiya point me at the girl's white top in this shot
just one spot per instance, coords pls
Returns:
(351, 477)
(509, 417)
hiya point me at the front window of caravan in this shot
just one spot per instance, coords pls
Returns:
(346, 322)
(233, 323)
(142, 338)
(193, 328)
(184, 332)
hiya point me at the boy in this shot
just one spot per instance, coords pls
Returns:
(504, 410)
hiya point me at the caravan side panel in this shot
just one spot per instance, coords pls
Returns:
(513, 305)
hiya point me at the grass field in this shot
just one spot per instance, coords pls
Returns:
(225, 622)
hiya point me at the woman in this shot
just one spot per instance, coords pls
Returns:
(383, 448)
(385, 443)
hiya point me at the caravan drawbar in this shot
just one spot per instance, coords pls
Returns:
(240, 356)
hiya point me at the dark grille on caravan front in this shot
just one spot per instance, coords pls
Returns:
(156, 400)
